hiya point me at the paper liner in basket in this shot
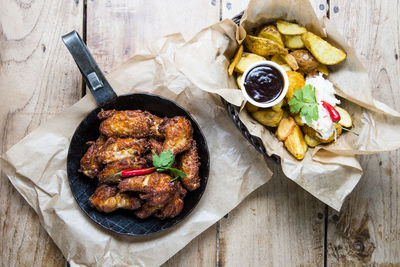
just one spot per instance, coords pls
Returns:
(328, 172)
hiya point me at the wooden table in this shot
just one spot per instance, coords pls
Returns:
(278, 225)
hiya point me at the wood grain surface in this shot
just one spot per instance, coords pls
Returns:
(278, 225)
(367, 230)
(36, 67)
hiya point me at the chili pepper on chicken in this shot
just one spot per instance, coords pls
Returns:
(143, 163)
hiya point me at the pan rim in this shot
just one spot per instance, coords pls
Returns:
(204, 178)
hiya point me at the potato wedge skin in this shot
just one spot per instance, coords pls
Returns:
(238, 80)
(246, 60)
(311, 142)
(285, 128)
(268, 117)
(251, 108)
(291, 61)
(323, 69)
(313, 134)
(296, 81)
(271, 32)
(307, 63)
(295, 143)
(323, 51)
(263, 47)
(293, 41)
(345, 118)
(298, 120)
(289, 28)
(235, 60)
(278, 106)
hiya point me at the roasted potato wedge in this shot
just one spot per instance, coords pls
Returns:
(235, 60)
(293, 41)
(311, 142)
(263, 47)
(323, 51)
(323, 69)
(296, 81)
(278, 59)
(238, 80)
(251, 108)
(298, 120)
(271, 32)
(285, 128)
(291, 61)
(295, 143)
(307, 63)
(286, 67)
(268, 117)
(289, 28)
(278, 106)
(345, 118)
(285, 61)
(246, 60)
(313, 134)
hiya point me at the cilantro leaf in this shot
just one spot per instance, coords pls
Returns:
(305, 103)
(177, 174)
(164, 161)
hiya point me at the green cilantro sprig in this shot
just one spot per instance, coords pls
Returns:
(164, 163)
(304, 103)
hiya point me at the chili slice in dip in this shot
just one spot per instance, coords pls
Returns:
(264, 83)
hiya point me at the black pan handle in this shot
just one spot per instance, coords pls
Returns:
(91, 72)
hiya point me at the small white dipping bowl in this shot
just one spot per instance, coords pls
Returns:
(285, 84)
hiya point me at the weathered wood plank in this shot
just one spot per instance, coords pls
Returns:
(367, 230)
(231, 8)
(278, 225)
(118, 29)
(38, 72)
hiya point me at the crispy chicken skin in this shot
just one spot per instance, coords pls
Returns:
(131, 163)
(89, 163)
(190, 165)
(133, 123)
(155, 188)
(178, 133)
(170, 208)
(108, 199)
(119, 148)
(174, 205)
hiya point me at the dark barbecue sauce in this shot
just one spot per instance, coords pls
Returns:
(264, 83)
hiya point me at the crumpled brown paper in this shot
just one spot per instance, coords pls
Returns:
(36, 166)
(328, 172)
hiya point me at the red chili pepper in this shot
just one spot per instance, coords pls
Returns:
(130, 173)
(333, 113)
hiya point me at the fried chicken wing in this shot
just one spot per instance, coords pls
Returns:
(190, 165)
(178, 133)
(90, 166)
(155, 188)
(170, 208)
(108, 199)
(133, 123)
(119, 148)
(131, 163)
(174, 205)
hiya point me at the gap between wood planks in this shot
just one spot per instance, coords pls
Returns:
(83, 93)
(325, 5)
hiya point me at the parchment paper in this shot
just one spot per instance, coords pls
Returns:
(36, 166)
(328, 172)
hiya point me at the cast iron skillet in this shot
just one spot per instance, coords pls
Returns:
(121, 221)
